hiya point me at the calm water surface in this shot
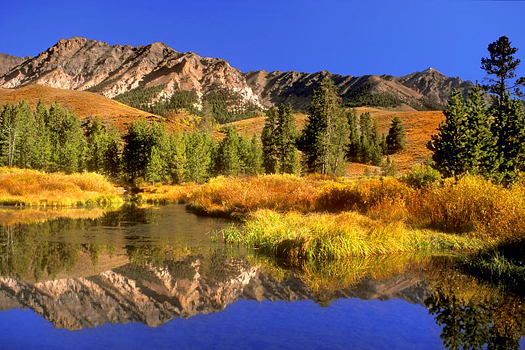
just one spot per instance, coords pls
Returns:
(161, 278)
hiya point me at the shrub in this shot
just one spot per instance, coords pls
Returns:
(421, 176)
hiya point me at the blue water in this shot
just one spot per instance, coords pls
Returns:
(346, 323)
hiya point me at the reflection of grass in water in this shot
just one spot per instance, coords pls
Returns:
(502, 267)
(28, 216)
(326, 278)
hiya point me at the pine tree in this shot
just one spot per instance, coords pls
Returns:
(97, 143)
(228, 161)
(354, 143)
(250, 155)
(113, 154)
(26, 130)
(509, 130)
(42, 160)
(286, 138)
(138, 143)
(154, 171)
(480, 141)
(177, 158)
(269, 142)
(9, 134)
(396, 138)
(200, 152)
(449, 144)
(325, 137)
(502, 65)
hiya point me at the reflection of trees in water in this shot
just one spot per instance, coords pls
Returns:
(35, 249)
(32, 250)
(127, 215)
(475, 315)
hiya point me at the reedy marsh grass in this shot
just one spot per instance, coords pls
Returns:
(25, 187)
(165, 194)
(326, 218)
(341, 236)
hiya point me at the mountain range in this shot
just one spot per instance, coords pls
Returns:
(111, 70)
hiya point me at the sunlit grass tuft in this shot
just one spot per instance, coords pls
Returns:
(166, 194)
(34, 188)
(341, 236)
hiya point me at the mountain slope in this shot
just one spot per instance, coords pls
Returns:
(84, 104)
(427, 90)
(7, 62)
(82, 64)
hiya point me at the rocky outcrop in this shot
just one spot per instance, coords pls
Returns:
(83, 64)
(7, 62)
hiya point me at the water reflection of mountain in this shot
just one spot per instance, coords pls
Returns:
(152, 295)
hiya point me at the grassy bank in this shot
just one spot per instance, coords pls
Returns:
(38, 189)
(325, 218)
(165, 194)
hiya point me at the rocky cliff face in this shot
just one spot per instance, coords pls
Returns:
(82, 64)
(153, 295)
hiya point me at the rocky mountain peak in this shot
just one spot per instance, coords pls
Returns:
(82, 64)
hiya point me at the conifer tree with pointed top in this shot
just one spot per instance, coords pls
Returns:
(396, 138)
(448, 145)
(325, 137)
(269, 142)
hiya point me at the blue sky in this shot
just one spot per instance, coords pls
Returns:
(394, 37)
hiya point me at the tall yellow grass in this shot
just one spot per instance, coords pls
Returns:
(35, 188)
(368, 217)
(238, 196)
(165, 194)
(341, 236)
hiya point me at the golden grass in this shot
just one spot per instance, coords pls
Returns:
(237, 196)
(288, 216)
(84, 104)
(165, 194)
(471, 204)
(35, 188)
(342, 236)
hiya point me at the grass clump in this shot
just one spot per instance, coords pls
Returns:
(34, 188)
(421, 176)
(340, 236)
(224, 196)
(166, 194)
(472, 204)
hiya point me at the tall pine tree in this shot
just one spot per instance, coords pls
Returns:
(325, 137)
